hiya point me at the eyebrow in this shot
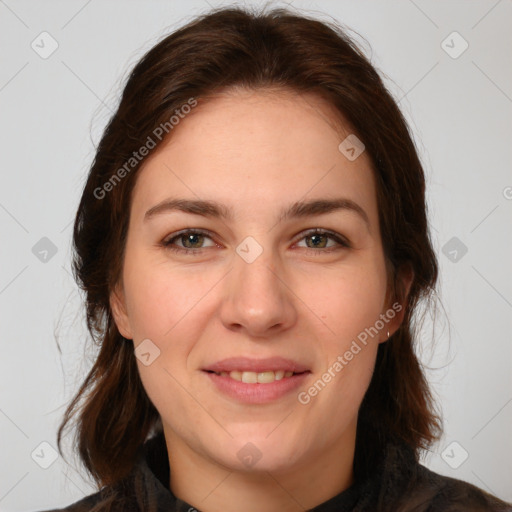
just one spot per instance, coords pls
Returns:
(298, 209)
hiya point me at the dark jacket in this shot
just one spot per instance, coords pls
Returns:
(397, 484)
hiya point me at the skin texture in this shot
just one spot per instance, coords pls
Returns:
(256, 152)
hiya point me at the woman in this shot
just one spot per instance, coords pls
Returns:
(253, 243)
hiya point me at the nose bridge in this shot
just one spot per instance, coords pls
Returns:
(256, 297)
(258, 275)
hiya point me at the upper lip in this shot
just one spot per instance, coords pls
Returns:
(245, 364)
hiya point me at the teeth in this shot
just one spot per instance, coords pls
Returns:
(265, 377)
(250, 377)
(253, 377)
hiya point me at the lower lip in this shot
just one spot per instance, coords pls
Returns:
(257, 393)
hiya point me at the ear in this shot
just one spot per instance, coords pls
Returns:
(118, 306)
(396, 303)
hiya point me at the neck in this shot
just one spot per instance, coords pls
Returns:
(211, 487)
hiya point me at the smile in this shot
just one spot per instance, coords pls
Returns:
(257, 387)
(264, 377)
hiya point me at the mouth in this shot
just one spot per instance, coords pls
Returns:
(257, 381)
(264, 377)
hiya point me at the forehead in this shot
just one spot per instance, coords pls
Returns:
(255, 150)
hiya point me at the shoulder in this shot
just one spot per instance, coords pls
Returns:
(435, 492)
(117, 498)
(402, 484)
(86, 504)
(140, 486)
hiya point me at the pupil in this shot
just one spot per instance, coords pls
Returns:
(190, 239)
(316, 243)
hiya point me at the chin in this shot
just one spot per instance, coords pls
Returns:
(259, 453)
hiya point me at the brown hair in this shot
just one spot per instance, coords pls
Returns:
(237, 48)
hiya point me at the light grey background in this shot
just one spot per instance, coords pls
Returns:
(53, 111)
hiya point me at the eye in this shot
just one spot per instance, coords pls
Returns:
(191, 240)
(319, 239)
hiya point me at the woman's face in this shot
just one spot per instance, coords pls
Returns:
(258, 292)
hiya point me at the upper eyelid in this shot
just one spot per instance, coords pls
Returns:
(182, 232)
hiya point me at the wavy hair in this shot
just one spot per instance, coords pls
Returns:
(223, 49)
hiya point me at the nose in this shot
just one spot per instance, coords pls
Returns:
(257, 300)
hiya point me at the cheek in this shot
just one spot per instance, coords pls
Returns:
(160, 298)
(349, 300)
(350, 306)
(162, 306)
(167, 306)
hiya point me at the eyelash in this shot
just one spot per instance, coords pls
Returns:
(330, 234)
